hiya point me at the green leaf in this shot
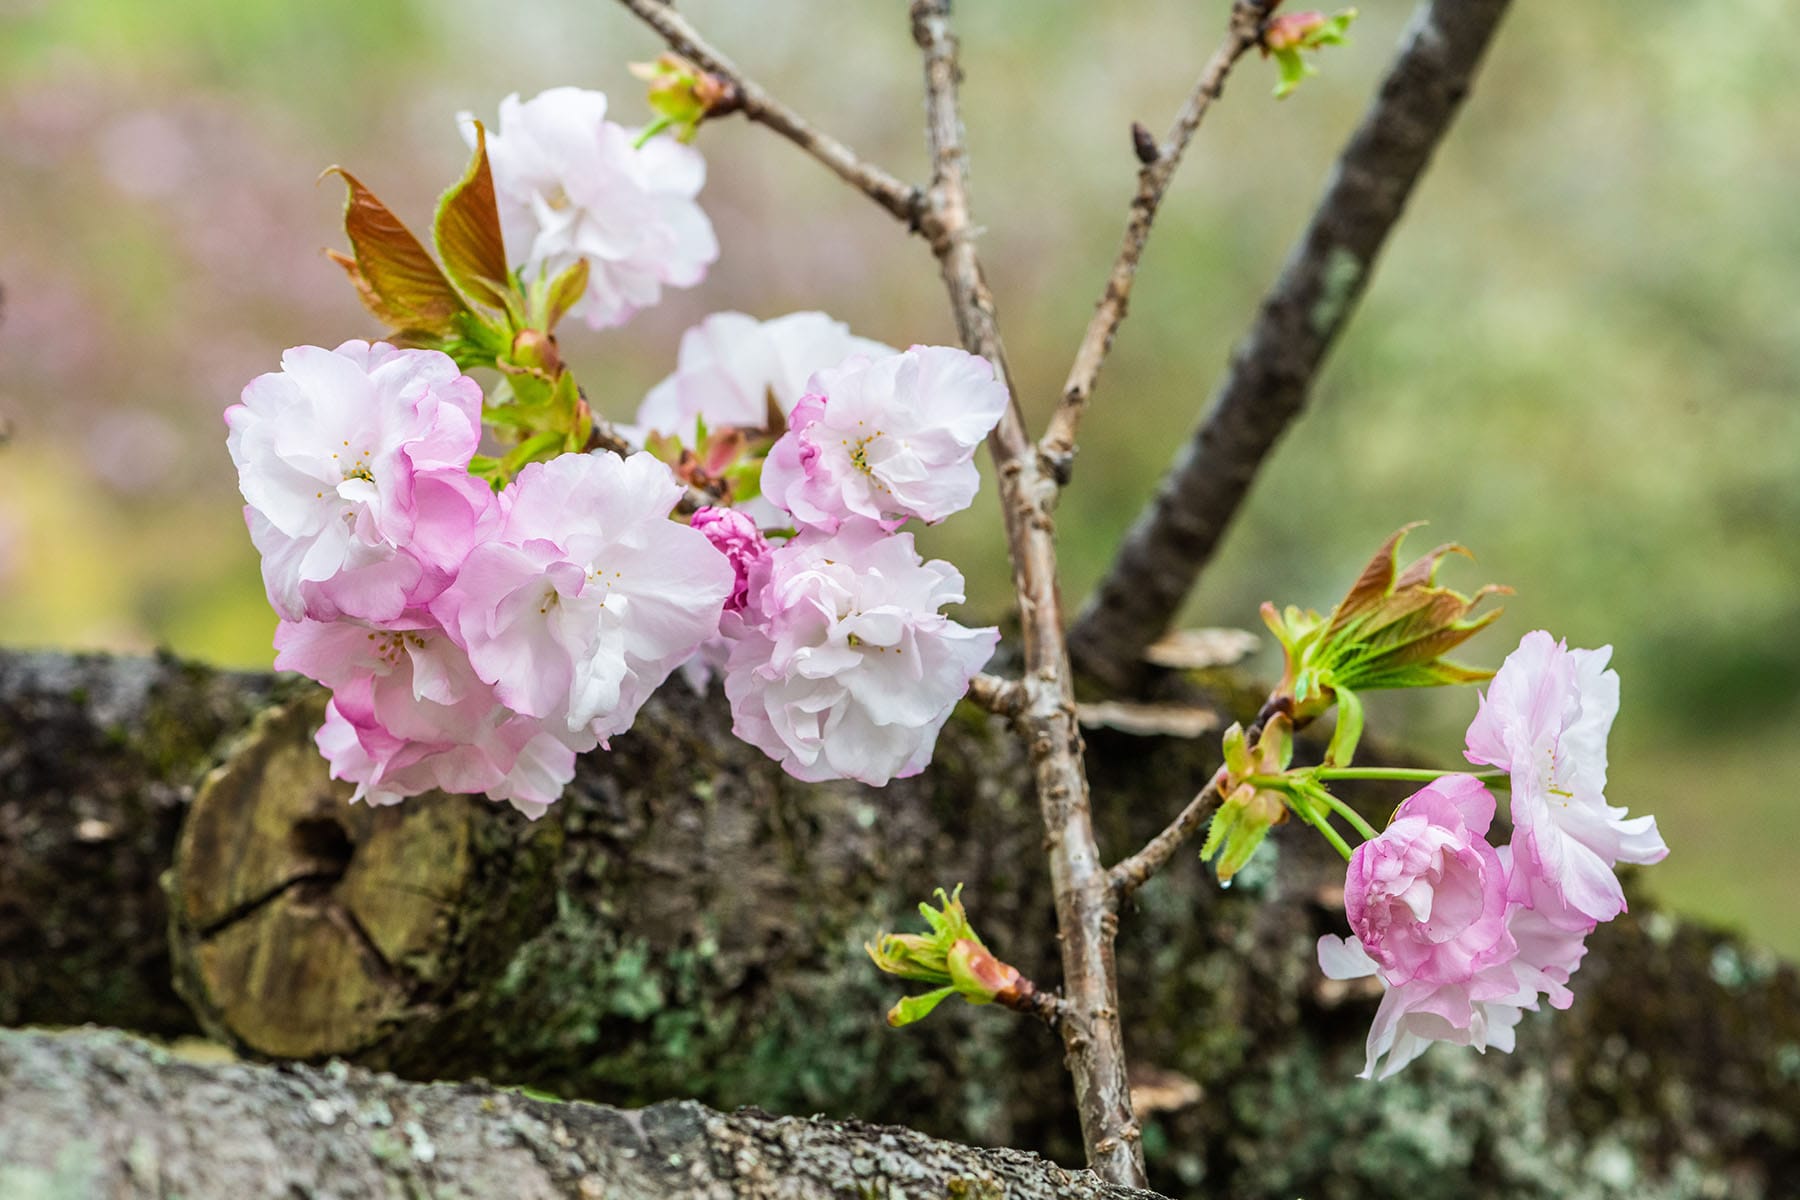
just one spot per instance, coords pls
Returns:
(1294, 71)
(1349, 729)
(1223, 822)
(395, 275)
(467, 232)
(565, 292)
(1241, 848)
(917, 1008)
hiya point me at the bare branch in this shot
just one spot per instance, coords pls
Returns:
(1159, 163)
(1003, 697)
(1092, 1040)
(898, 197)
(1133, 873)
(1273, 367)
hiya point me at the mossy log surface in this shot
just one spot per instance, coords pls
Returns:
(101, 1114)
(688, 923)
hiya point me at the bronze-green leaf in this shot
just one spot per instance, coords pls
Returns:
(393, 272)
(467, 230)
(565, 292)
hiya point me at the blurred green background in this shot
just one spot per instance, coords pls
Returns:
(1581, 355)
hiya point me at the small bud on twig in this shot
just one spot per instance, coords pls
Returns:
(1143, 143)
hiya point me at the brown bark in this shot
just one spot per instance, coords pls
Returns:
(1271, 373)
(98, 1114)
(96, 762)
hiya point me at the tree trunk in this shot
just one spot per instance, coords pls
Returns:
(688, 922)
(98, 1114)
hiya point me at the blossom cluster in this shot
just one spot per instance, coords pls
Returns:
(481, 621)
(473, 641)
(1465, 935)
(838, 660)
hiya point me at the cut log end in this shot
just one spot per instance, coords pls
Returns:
(305, 926)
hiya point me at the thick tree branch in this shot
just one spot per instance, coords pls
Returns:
(99, 1114)
(1273, 367)
(1058, 444)
(1092, 1041)
(898, 197)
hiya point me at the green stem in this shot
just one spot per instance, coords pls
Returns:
(651, 130)
(1351, 815)
(1319, 821)
(1403, 774)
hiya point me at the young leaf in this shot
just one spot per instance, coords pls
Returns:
(467, 232)
(396, 277)
(1349, 729)
(916, 1008)
(566, 291)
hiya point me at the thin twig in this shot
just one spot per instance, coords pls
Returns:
(1154, 175)
(898, 197)
(1130, 874)
(1086, 921)
(1045, 1006)
(1004, 697)
(1133, 873)
(1273, 367)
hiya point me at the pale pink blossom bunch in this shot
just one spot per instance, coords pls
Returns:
(478, 641)
(845, 667)
(473, 642)
(1464, 936)
(842, 664)
(573, 186)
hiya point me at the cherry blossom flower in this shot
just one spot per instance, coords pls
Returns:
(1463, 937)
(886, 439)
(736, 537)
(731, 368)
(843, 667)
(1544, 720)
(408, 715)
(354, 464)
(1427, 898)
(587, 595)
(571, 186)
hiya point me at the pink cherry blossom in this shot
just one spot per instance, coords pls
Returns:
(409, 715)
(354, 464)
(1545, 720)
(842, 666)
(886, 439)
(587, 595)
(736, 537)
(731, 367)
(1427, 898)
(1463, 937)
(571, 186)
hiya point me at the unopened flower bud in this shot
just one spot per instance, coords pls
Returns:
(952, 957)
(1284, 37)
(682, 95)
